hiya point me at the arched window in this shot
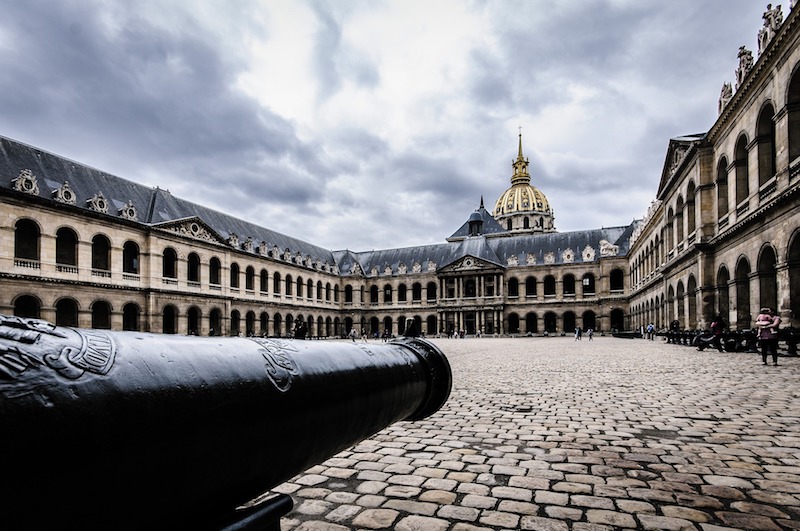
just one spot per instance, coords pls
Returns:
(328, 292)
(169, 320)
(26, 240)
(589, 320)
(722, 187)
(670, 228)
(66, 312)
(416, 292)
(336, 294)
(101, 315)
(587, 284)
(67, 248)
(387, 294)
(300, 285)
(276, 283)
(130, 317)
(743, 316)
(234, 275)
(373, 295)
(508, 225)
(526, 223)
(214, 271)
(236, 322)
(101, 253)
(310, 291)
(568, 285)
(27, 306)
(691, 216)
(549, 286)
(169, 263)
(617, 280)
(793, 106)
(513, 323)
(766, 144)
(531, 325)
(263, 283)
(348, 294)
(742, 172)
(215, 322)
(277, 322)
(130, 258)
(570, 323)
(679, 219)
(723, 290)
(513, 288)
(250, 324)
(530, 287)
(401, 293)
(320, 292)
(550, 322)
(470, 291)
(430, 291)
(193, 268)
(767, 278)
(288, 283)
(250, 278)
(193, 321)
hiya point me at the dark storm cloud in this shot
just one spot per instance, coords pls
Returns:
(159, 100)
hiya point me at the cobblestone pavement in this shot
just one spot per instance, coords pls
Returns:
(555, 434)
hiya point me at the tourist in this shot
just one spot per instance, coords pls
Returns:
(717, 327)
(767, 323)
(590, 333)
(578, 332)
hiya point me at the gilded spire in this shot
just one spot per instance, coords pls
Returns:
(521, 175)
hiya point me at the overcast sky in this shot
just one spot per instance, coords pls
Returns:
(368, 124)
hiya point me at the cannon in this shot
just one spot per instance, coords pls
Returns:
(129, 430)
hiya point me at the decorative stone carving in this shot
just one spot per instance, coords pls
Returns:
(568, 256)
(402, 269)
(468, 263)
(431, 266)
(513, 260)
(725, 96)
(550, 257)
(387, 270)
(128, 211)
(287, 255)
(64, 194)
(98, 203)
(193, 229)
(355, 269)
(588, 253)
(530, 259)
(677, 157)
(773, 18)
(374, 271)
(263, 248)
(608, 249)
(248, 245)
(416, 267)
(26, 182)
(233, 240)
(745, 65)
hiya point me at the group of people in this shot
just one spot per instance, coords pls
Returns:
(767, 325)
(579, 333)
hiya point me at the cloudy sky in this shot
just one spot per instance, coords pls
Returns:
(372, 124)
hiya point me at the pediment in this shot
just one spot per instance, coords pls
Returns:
(194, 228)
(468, 263)
(677, 152)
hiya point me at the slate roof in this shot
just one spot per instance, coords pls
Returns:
(155, 206)
(490, 225)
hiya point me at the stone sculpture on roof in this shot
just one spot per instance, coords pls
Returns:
(773, 18)
(725, 96)
(745, 65)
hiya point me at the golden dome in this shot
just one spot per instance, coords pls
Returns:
(523, 206)
(521, 198)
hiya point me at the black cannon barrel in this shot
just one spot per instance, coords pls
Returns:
(112, 430)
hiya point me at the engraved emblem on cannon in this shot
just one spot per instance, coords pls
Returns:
(21, 349)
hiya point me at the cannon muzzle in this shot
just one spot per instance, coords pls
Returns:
(113, 430)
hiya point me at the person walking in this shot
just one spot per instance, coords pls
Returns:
(767, 323)
(717, 328)
(590, 333)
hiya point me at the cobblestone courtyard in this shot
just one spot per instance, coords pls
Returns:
(555, 434)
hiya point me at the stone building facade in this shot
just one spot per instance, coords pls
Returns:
(722, 235)
(80, 247)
